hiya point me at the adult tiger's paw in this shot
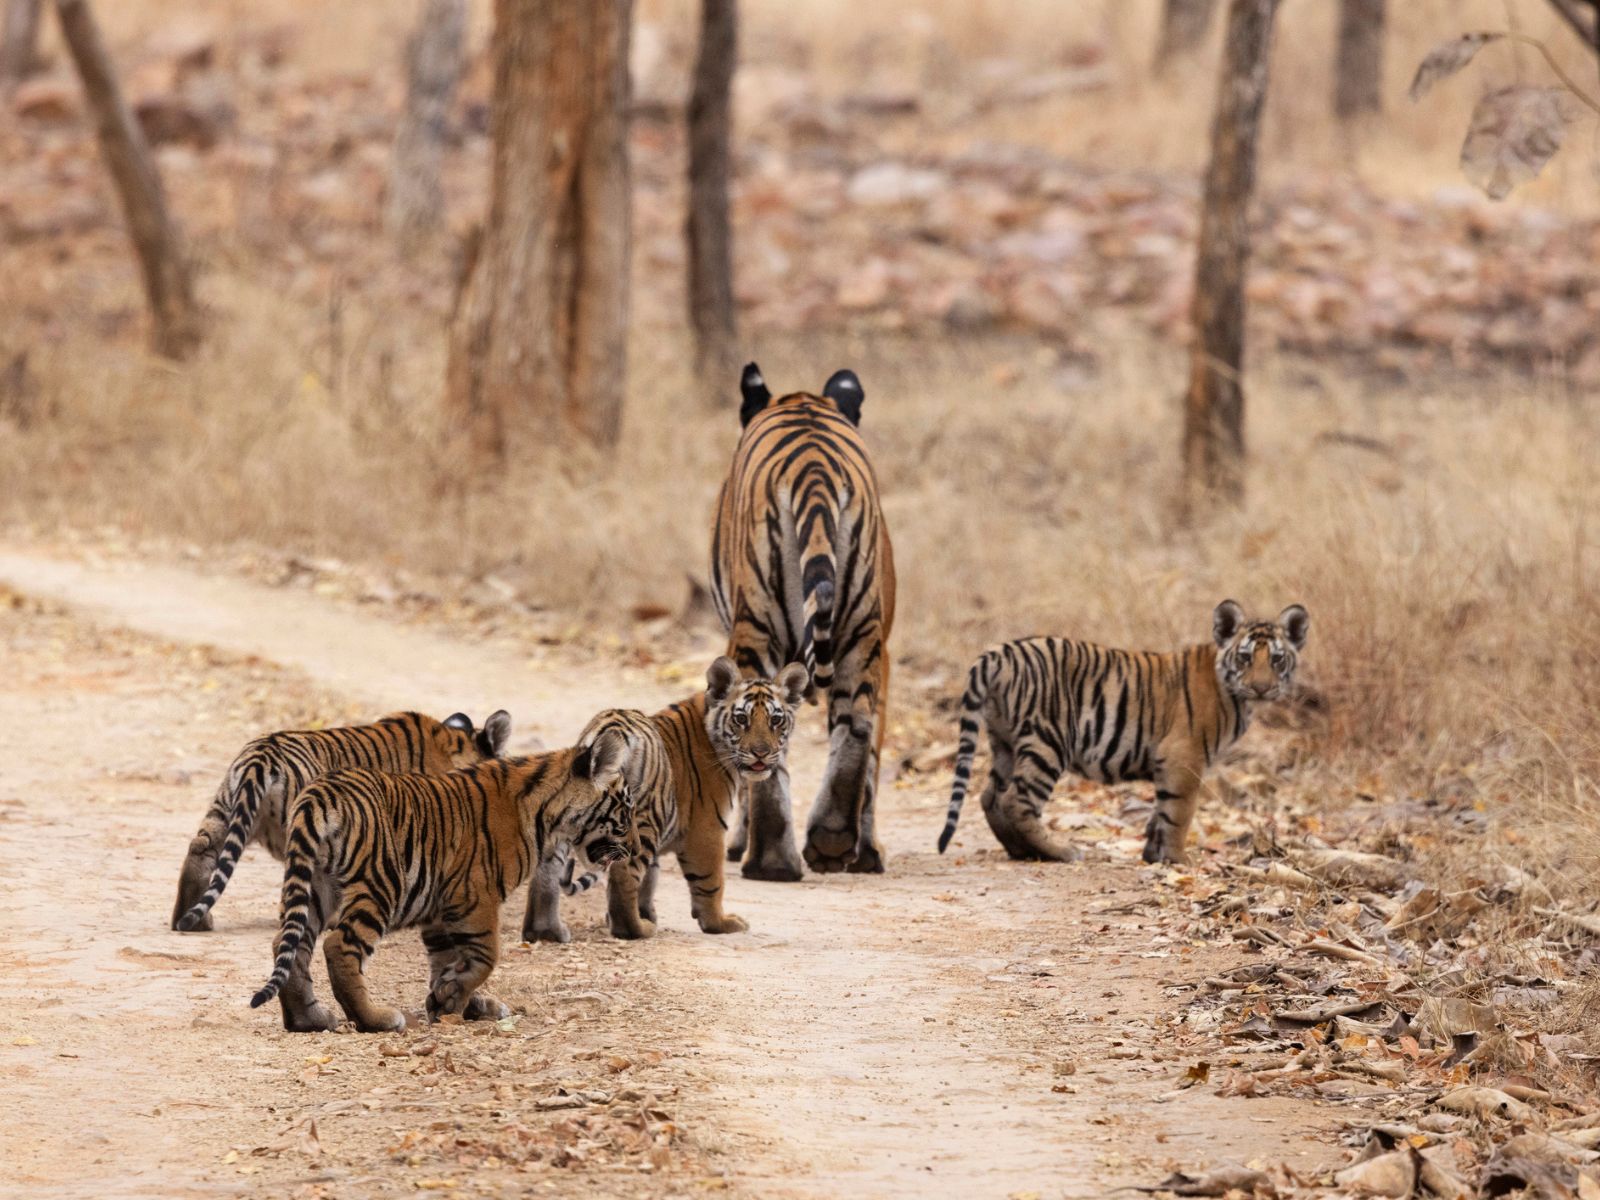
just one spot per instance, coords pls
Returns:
(828, 850)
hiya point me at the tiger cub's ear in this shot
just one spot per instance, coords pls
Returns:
(1225, 621)
(793, 680)
(603, 759)
(495, 733)
(755, 392)
(844, 389)
(720, 678)
(1296, 622)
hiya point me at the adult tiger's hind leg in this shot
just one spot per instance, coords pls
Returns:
(347, 947)
(772, 855)
(833, 832)
(739, 831)
(1015, 813)
(869, 851)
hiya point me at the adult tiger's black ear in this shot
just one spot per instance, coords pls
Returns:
(1225, 621)
(460, 722)
(495, 734)
(720, 678)
(1296, 622)
(755, 392)
(844, 389)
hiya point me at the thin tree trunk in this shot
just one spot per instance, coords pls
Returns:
(175, 319)
(1213, 426)
(1183, 29)
(709, 228)
(19, 40)
(1358, 72)
(434, 58)
(538, 339)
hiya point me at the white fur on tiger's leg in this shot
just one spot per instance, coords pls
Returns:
(771, 855)
(542, 922)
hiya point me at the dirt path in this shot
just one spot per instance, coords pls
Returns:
(964, 1025)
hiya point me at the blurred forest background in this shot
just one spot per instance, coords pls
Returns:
(989, 210)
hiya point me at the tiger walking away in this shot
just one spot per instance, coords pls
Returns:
(370, 853)
(802, 570)
(253, 801)
(685, 767)
(1052, 705)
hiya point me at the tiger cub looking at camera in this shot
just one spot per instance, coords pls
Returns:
(1053, 705)
(687, 764)
(253, 801)
(370, 853)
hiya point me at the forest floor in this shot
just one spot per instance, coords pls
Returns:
(962, 1025)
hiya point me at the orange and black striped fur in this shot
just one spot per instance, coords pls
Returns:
(269, 773)
(802, 570)
(684, 773)
(371, 852)
(1053, 705)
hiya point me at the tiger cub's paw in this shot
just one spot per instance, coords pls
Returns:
(382, 1020)
(483, 1007)
(728, 924)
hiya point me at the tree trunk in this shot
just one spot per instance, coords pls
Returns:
(434, 59)
(709, 231)
(175, 329)
(19, 40)
(1213, 426)
(538, 339)
(1358, 72)
(1183, 29)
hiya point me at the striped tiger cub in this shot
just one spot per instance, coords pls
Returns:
(253, 800)
(370, 852)
(1053, 705)
(802, 570)
(684, 774)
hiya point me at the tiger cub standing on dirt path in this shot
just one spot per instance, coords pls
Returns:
(253, 802)
(1053, 705)
(684, 775)
(802, 570)
(370, 853)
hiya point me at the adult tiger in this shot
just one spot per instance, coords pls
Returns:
(802, 569)
(684, 769)
(1054, 705)
(370, 853)
(253, 800)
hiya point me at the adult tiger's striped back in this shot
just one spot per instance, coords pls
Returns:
(1053, 705)
(802, 570)
(684, 769)
(370, 852)
(253, 800)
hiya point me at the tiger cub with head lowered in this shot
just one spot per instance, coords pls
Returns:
(253, 801)
(369, 853)
(1054, 705)
(688, 762)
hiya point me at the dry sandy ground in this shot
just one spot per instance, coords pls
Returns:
(962, 1026)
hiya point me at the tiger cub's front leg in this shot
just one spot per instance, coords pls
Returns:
(441, 958)
(1177, 785)
(624, 889)
(702, 859)
(475, 948)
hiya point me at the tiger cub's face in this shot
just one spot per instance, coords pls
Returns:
(456, 740)
(1256, 659)
(749, 720)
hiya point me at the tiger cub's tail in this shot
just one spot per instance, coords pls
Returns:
(246, 783)
(978, 681)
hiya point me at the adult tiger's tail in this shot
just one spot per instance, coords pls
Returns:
(816, 524)
(245, 784)
(978, 681)
(309, 829)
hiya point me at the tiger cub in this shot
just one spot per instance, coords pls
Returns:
(1054, 705)
(684, 774)
(371, 852)
(254, 798)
